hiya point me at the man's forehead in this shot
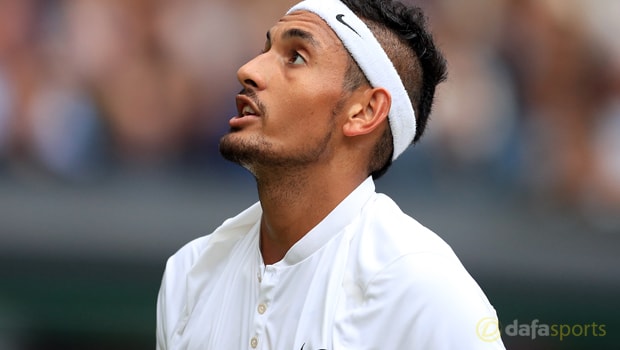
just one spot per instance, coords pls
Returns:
(304, 22)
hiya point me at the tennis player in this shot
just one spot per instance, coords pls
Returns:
(341, 89)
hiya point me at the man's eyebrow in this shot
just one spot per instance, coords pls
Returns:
(297, 33)
(301, 34)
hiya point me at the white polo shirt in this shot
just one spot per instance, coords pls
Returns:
(366, 277)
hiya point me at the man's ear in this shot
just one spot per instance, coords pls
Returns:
(367, 114)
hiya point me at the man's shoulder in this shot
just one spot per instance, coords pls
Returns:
(390, 238)
(224, 237)
(402, 274)
(399, 233)
(185, 257)
(396, 259)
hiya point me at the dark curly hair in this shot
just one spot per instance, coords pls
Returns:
(402, 32)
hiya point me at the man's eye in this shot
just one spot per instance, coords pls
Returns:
(296, 58)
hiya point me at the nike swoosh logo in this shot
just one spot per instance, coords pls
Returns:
(339, 18)
(303, 346)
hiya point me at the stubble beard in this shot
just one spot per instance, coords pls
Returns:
(255, 153)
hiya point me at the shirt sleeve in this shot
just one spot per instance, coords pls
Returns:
(424, 301)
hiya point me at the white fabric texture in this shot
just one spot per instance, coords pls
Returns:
(366, 277)
(373, 61)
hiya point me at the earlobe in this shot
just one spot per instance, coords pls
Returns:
(366, 116)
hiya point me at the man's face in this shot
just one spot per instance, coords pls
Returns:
(289, 108)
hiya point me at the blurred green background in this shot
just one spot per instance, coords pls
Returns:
(111, 110)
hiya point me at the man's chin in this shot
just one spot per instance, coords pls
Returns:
(228, 148)
(237, 150)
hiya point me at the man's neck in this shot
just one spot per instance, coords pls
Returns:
(293, 203)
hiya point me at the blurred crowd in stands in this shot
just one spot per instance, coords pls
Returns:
(86, 86)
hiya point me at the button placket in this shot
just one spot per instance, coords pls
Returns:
(267, 281)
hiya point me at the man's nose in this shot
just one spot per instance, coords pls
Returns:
(253, 74)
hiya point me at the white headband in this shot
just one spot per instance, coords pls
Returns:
(372, 60)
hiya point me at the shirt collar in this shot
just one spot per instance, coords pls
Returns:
(331, 225)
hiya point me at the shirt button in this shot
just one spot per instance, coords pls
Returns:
(254, 342)
(262, 308)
